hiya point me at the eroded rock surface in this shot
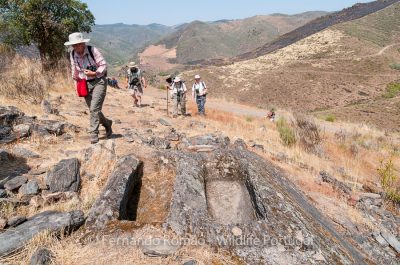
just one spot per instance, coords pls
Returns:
(56, 222)
(117, 198)
(233, 198)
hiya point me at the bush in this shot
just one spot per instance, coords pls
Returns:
(395, 66)
(308, 134)
(162, 87)
(330, 118)
(389, 181)
(392, 90)
(286, 132)
(163, 74)
(249, 119)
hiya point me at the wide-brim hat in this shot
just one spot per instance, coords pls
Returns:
(132, 64)
(177, 79)
(197, 77)
(76, 38)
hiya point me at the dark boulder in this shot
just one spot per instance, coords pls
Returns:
(15, 183)
(117, 197)
(9, 114)
(55, 222)
(64, 176)
(24, 152)
(29, 188)
(42, 256)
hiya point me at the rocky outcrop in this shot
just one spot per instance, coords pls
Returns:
(233, 198)
(54, 222)
(15, 125)
(65, 176)
(117, 200)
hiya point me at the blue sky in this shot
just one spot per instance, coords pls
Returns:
(173, 12)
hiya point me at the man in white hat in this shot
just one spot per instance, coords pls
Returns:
(199, 93)
(178, 91)
(88, 64)
(136, 82)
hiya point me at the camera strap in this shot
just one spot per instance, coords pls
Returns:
(90, 49)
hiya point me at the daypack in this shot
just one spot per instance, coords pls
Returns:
(135, 78)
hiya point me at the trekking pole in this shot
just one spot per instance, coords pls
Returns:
(167, 102)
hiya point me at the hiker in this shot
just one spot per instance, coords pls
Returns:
(199, 93)
(272, 115)
(136, 83)
(113, 82)
(178, 91)
(90, 68)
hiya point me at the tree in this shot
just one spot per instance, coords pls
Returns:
(44, 23)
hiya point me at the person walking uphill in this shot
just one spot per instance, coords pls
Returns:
(136, 82)
(199, 92)
(178, 89)
(89, 66)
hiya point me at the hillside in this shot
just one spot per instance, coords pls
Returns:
(335, 69)
(226, 38)
(319, 24)
(121, 42)
(168, 191)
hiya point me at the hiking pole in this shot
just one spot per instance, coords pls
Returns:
(167, 102)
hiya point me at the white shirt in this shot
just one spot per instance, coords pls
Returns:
(201, 86)
(175, 88)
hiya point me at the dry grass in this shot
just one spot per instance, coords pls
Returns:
(67, 251)
(24, 81)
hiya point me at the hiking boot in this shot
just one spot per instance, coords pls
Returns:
(94, 138)
(109, 131)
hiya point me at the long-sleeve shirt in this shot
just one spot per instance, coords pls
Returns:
(79, 64)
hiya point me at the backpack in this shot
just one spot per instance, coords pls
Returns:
(135, 78)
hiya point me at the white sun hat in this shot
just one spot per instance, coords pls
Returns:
(197, 77)
(132, 64)
(76, 38)
(177, 79)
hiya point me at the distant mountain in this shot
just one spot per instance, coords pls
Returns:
(346, 70)
(226, 38)
(317, 25)
(120, 42)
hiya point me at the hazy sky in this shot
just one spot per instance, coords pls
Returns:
(173, 12)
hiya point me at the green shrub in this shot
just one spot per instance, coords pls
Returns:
(163, 74)
(162, 87)
(249, 119)
(388, 180)
(330, 118)
(392, 90)
(286, 132)
(395, 66)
